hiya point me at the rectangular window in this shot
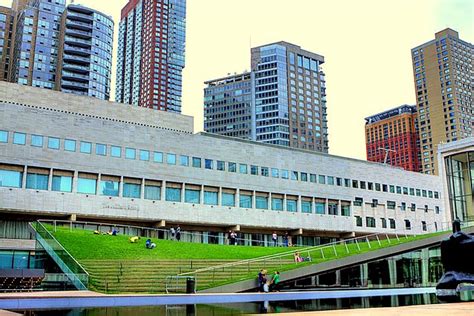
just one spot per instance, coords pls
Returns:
(86, 147)
(391, 205)
(413, 207)
(392, 189)
(192, 196)
(370, 222)
(330, 180)
(173, 194)
(36, 141)
(339, 182)
(412, 191)
(261, 202)
(19, 138)
(322, 179)
(358, 201)
(70, 145)
(152, 192)
(423, 193)
(53, 143)
(384, 222)
(332, 208)
(347, 183)
(86, 185)
(228, 199)
(11, 178)
(130, 153)
(407, 224)
(184, 161)
(275, 173)
(399, 190)
(345, 209)
(423, 226)
(312, 178)
(209, 164)
(306, 207)
(196, 162)
(171, 159)
(320, 208)
(405, 190)
(284, 174)
(277, 204)
(264, 171)
(37, 181)
(109, 187)
(403, 206)
(254, 170)
(132, 190)
(158, 157)
(392, 223)
(243, 168)
(220, 165)
(3, 137)
(211, 197)
(377, 187)
(245, 201)
(62, 183)
(101, 149)
(232, 167)
(294, 175)
(144, 155)
(358, 221)
(291, 206)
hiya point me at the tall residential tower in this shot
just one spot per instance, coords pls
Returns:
(392, 138)
(443, 74)
(151, 54)
(288, 95)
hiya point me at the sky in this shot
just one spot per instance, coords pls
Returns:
(366, 45)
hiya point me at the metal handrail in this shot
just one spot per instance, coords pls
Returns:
(309, 249)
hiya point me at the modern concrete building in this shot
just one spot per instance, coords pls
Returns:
(456, 165)
(66, 156)
(151, 54)
(228, 106)
(6, 26)
(392, 138)
(443, 72)
(288, 94)
(85, 62)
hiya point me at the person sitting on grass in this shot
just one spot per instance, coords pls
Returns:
(134, 239)
(149, 244)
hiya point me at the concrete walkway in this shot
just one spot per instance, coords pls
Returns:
(455, 309)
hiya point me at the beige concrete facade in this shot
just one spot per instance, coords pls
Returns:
(67, 117)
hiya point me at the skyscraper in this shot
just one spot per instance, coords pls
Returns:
(61, 48)
(151, 54)
(289, 97)
(228, 106)
(288, 94)
(6, 25)
(85, 62)
(443, 72)
(392, 137)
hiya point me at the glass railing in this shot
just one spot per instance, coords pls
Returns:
(70, 267)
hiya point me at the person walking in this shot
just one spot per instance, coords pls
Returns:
(228, 237)
(178, 233)
(285, 239)
(276, 282)
(275, 239)
(233, 235)
(172, 232)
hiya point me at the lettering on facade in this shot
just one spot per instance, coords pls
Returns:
(120, 207)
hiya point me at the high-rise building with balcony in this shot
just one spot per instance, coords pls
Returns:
(392, 138)
(288, 92)
(443, 72)
(289, 97)
(60, 48)
(6, 26)
(228, 106)
(85, 62)
(150, 57)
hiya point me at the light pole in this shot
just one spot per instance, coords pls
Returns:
(386, 153)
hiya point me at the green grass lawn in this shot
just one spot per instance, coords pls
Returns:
(83, 244)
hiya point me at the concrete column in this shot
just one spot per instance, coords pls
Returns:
(253, 199)
(364, 275)
(298, 204)
(269, 206)
(97, 184)
(338, 277)
(142, 189)
(201, 195)
(74, 181)
(326, 207)
(313, 205)
(221, 238)
(163, 190)
(182, 192)
(284, 202)
(121, 186)
(219, 197)
(425, 267)
(50, 180)
(392, 271)
(205, 237)
(237, 198)
(265, 240)
(23, 181)
(339, 207)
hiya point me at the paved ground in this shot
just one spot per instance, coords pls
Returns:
(455, 309)
(6, 313)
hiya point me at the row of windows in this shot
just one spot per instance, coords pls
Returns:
(372, 223)
(116, 186)
(197, 162)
